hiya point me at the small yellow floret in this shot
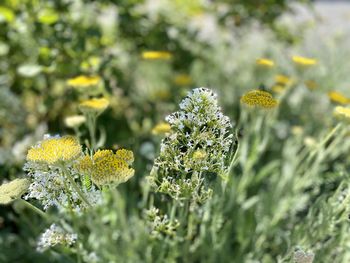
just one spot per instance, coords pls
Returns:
(154, 55)
(304, 61)
(265, 62)
(94, 105)
(84, 81)
(199, 155)
(53, 150)
(259, 98)
(161, 128)
(337, 97)
(278, 88)
(105, 167)
(310, 84)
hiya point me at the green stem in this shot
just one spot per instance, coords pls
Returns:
(34, 208)
(76, 188)
(91, 122)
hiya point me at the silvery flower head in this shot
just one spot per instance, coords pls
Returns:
(53, 236)
(199, 147)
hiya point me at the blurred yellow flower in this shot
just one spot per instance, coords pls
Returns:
(199, 155)
(84, 81)
(265, 62)
(304, 61)
(183, 80)
(278, 88)
(74, 121)
(13, 190)
(105, 167)
(156, 55)
(283, 80)
(337, 97)
(161, 128)
(297, 130)
(259, 98)
(342, 113)
(95, 105)
(310, 84)
(55, 149)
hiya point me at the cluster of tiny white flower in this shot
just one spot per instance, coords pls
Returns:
(53, 236)
(200, 145)
(51, 188)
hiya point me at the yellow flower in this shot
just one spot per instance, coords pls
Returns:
(342, 113)
(297, 130)
(183, 80)
(94, 105)
(55, 149)
(161, 128)
(310, 84)
(84, 81)
(13, 190)
(278, 88)
(199, 155)
(74, 121)
(105, 167)
(259, 98)
(283, 80)
(154, 55)
(304, 61)
(337, 97)
(265, 62)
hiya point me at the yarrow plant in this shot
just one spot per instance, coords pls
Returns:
(200, 147)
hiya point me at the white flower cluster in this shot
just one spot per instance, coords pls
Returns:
(49, 186)
(301, 256)
(201, 145)
(53, 236)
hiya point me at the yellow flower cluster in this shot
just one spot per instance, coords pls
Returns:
(303, 61)
(84, 81)
(95, 105)
(156, 55)
(337, 97)
(106, 167)
(54, 150)
(161, 128)
(199, 155)
(283, 80)
(265, 62)
(342, 113)
(259, 98)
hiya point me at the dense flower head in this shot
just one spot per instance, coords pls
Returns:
(259, 98)
(84, 81)
(265, 62)
(338, 97)
(13, 190)
(95, 105)
(342, 113)
(56, 149)
(74, 121)
(303, 61)
(200, 142)
(106, 167)
(54, 236)
(161, 128)
(156, 55)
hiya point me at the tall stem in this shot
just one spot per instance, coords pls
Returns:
(34, 208)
